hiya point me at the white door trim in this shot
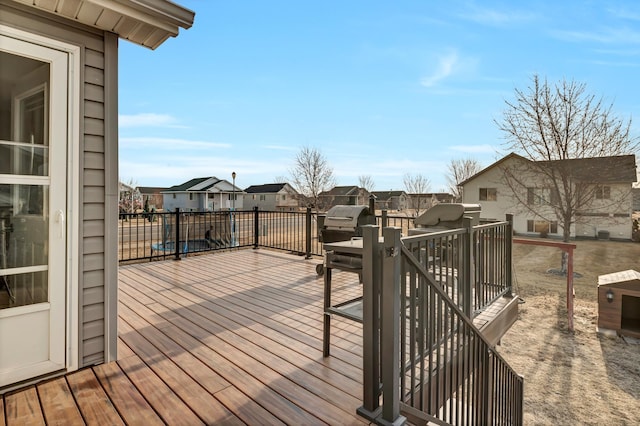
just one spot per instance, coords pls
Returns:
(73, 229)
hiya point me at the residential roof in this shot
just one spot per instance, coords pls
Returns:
(618, 168)
(341, 190)
(385, 195)
(492, 166)
(151, 189)
(188, 185)
(203, 184)
(145, 22)
(267, 188)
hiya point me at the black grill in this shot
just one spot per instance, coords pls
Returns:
(341, 223)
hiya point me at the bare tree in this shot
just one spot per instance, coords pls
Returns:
(459, 170)
(556, 128)
(417, 187)
(366, 182)
(280, 179)
(311, 175)
(129, 196)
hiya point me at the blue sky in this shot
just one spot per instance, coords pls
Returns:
(381, 88)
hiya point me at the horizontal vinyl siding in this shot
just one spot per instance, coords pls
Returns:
(93, 191)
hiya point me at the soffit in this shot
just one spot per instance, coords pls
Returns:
(145, 22)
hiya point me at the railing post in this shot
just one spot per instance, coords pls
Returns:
(308, 234)
(370, 323)
(390, 328)
(487, 386)
(468, 268)
(509, 253)
(176, 244)
(256, 228)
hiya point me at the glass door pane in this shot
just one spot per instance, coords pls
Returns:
(24, 183)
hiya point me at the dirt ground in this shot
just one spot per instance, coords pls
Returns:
(574, 378)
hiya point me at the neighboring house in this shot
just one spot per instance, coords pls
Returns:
(203, 194)
(421, 202)
(636, 199)
(390, 200)
(272, 197)
(59, 167)
(344, 195)
(610, 209)
(152, 196)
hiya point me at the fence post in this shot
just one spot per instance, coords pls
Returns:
(370, 323)
(469, 268)
(509, 253)
(176, 244)
(385, 219)
(487, 388)
(308, 234)
(256, 228)
(390, 327)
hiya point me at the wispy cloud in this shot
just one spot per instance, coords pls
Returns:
(148, 120)
(605, 35)
(169, 143)
(174, 169)
(445, 67)
(494, 17)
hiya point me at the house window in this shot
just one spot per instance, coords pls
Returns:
(542, 196)
(284, 197)
(488, 194)
(233, 197)
(263, 197)
(253, 197)
(603, 192)
(542, 226)
(174, 196)
(190, 197)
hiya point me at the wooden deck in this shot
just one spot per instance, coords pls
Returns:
(226, 338)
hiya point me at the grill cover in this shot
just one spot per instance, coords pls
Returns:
(448, 216)
(342, 223)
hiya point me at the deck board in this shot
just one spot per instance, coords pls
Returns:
(227, 338)
(58, 403)
(24, 408)
(164, 401)
(131, 405)
(93, 402)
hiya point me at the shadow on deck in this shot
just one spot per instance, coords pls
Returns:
(228, 338)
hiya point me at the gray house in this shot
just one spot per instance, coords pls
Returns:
(59, 177)
(390, 200)
(344, 195)
(272, 197)
(203, 194)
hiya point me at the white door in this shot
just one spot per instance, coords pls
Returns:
(33, 150)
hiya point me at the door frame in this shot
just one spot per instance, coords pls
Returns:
(72, 230)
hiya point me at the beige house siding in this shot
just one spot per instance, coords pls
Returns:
(616, 219)
(95, 282)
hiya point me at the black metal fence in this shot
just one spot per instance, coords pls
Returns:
(477, 256)
(435, 365)
(153, 236)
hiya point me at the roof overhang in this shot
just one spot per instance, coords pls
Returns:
(145, 22)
